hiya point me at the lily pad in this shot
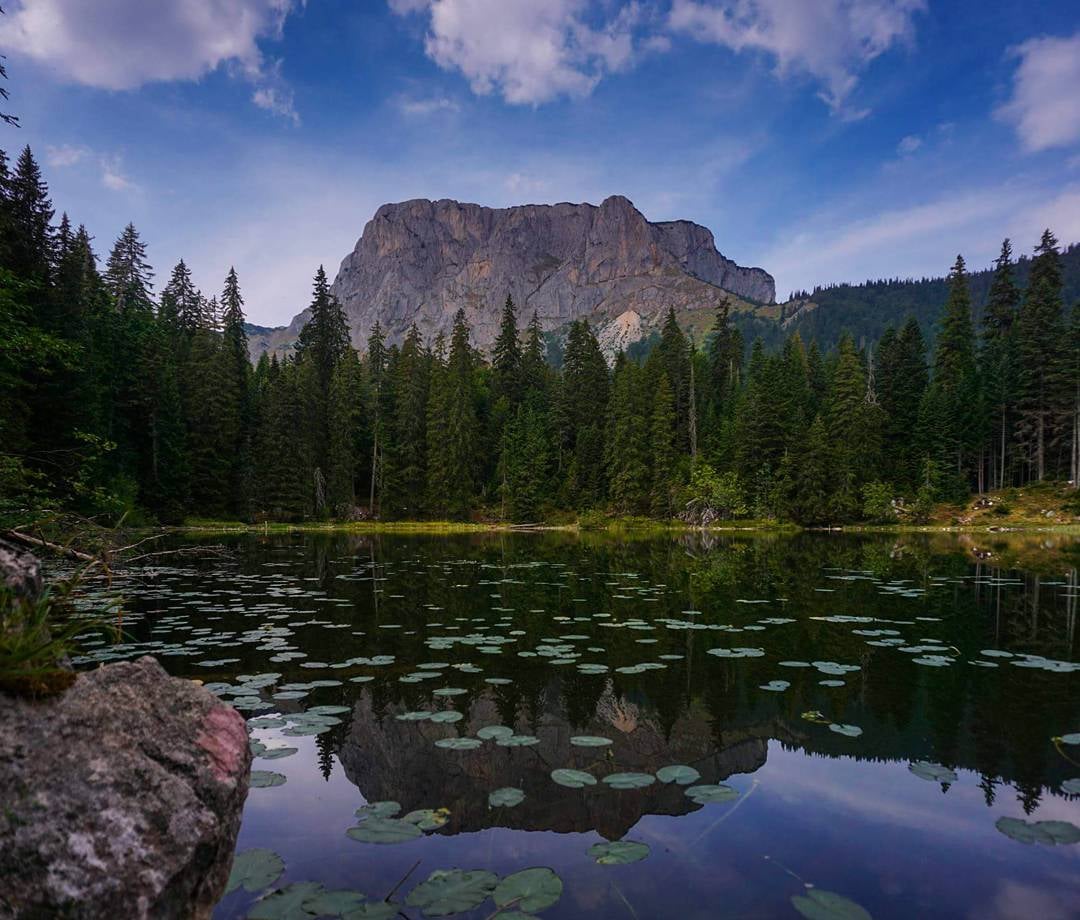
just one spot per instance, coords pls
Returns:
(517, 741)
(459, 744)
(680, 774)
(1071, 786)
(776, 686)
(385, 809)
(573, 779)
(708, 794)
(1073, 738)
(494, 732)
(818, 904)
(507, 797)
(261, 779)
(277, 753)
(446, 716)
(851, 731)
(618, 852)
(1048, 833)
(629, 780)
(334, 903)
(384, 831)
(452, 891)
(428, 819)
(255, 870)
(530, 889)
(934, 772)
(589, 741)
(285, 903)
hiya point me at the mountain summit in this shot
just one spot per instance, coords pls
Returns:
(420, 260)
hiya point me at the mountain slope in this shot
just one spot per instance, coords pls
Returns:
(420, 261)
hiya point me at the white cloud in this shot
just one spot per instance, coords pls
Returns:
(112, 175)
(908, 145)
(831, 41)
(424, 107)
(65, 155)
(124, 44)
(1045, 103)
(528, 51)
(278, 100)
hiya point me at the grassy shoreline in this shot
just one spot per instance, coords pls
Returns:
(635, 526)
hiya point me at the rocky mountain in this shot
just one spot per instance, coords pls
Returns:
(420, 261)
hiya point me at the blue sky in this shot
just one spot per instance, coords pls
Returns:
(824, 140)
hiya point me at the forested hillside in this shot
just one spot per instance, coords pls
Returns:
(866, 310)
(118, 401)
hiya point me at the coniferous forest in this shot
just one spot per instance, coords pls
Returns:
(125, 397)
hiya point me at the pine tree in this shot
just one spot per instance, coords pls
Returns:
(345, 415)
(525, 462)
(506, 360)
(460, 461)
(31, 243)
(998, 359)
(955, 372)
(128, 276)
(901, 381)
(582, 408)
(628, 458)
(236, 379)
(180, 301)
(322, 344)
(1039, 341)
(664, 438)
(405, 472)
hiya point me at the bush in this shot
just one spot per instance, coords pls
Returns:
(712, 496)
(877, 503)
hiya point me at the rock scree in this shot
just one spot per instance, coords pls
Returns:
(120, 798)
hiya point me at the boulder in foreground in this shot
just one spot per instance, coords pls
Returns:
(121, 798)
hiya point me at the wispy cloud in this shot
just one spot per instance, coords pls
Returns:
(112, 175)
(423, 107)
(65, 155)
(908, 145)
(921, 239)
(831, 41)
(1045, 104)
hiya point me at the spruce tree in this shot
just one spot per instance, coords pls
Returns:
(955, 372)
(1039, 347)
(628, 458)
(31, 243)
(128, 276)
(664, 440)
(998, 359)
(506, 360)
(236, 379)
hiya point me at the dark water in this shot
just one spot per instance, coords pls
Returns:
(823, 793)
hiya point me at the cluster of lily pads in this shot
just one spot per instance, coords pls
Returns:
(444, 892)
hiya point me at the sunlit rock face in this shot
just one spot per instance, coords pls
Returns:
(121, 798)
(420, 261)
(398, 760)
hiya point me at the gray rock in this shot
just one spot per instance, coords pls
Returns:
(419, 261)
(20, 571)
(121, 798)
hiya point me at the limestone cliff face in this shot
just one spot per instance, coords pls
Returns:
(420, 261)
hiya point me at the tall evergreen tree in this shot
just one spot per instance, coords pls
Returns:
(128, 276)
(1039, 344)
(998, 359)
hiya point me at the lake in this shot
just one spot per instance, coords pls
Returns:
(771, 725)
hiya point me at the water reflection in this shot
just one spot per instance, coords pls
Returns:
(954, 651)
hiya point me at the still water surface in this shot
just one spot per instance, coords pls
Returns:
(857, 714)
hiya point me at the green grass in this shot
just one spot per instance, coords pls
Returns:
(34, 641)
